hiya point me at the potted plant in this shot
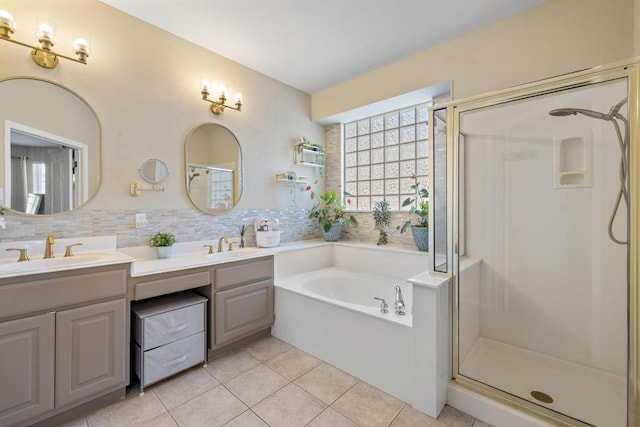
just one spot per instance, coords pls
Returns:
(419, 208)
(163, 242)
(330, 215)
(382, 219)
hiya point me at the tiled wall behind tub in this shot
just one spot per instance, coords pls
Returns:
(186, 224)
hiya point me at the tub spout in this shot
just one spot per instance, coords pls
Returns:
(399, 301)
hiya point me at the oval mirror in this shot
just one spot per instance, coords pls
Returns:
(51, 162)
(154, 171)
(213, 168)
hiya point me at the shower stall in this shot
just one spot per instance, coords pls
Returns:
(536, 220)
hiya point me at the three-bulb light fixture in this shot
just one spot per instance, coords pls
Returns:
(43, 55)
(218, 106)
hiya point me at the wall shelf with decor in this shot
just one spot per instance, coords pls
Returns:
(291, 179)
(309, 155)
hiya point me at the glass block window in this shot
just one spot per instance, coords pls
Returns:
(383, 154)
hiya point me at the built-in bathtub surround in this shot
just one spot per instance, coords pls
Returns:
(406, 356)
(187, 224)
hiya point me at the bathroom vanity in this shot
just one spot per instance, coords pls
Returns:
(64, 341)
(239, 293)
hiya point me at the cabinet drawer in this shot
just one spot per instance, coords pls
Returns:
(169, 359)
(37, 295)
(243, 273)
(153, 288)
(172, 325)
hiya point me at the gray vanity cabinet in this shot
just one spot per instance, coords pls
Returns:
(90, 344)
(27, 381)
(243, 299)
(63, 342)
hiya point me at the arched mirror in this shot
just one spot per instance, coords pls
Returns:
(52, 147)
(213, 169)
(154, 171)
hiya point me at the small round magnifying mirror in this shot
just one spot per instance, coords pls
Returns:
(154, 171)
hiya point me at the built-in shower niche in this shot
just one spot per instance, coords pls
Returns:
(572, 158)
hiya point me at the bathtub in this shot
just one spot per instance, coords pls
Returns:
(324, 305)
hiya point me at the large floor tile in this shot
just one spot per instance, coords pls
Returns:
(455, 418)
(480, 423)
(266, 348)
(256, 384)
(132, 411)
(326, 382)
(78, 422)
(292, 363)
(185, 386)
(331, 418)
(289, 407)
(246, 419)
(411, 417)
(230, 365)
(213, 408)
(368, 406)
(163, 420)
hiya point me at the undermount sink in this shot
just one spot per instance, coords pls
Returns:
(7, 267)
(236, 253)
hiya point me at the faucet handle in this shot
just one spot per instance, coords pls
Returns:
(210, 248)
(230, 246)
(67, 252)
(23, 253)
(384, 307)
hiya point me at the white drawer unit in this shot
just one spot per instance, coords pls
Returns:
(169, 335)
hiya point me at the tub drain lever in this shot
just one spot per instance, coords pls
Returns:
(384, 308)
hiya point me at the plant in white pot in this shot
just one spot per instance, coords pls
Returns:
(163, 242)
(420, 209)
(330, 215)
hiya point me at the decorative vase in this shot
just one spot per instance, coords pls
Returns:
(421, 237)
(334, 232)
(164, 252)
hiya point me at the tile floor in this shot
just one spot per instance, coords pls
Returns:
(266, 383)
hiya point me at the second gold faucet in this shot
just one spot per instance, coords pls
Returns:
(220, 243)
(48, 247)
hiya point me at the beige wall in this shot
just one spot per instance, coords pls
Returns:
(557, 37)
(636, 27)
(144, 85)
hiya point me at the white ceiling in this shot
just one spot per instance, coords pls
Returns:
(314, 44)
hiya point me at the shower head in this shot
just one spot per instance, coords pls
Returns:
(560, 112)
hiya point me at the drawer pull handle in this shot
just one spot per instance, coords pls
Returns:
(174, 330)
(175, 361)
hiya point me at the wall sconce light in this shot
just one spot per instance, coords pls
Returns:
(43, 55)
(218, 106)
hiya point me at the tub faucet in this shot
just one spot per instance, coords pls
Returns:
(383, 305)
(48, 251)
(399, 301)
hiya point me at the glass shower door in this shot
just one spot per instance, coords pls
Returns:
(542, 276)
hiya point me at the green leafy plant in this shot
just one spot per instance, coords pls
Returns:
(328, 210)
(420, 207)
(162, 239)
(382, 219)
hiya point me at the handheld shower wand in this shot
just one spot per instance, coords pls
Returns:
(623, 142)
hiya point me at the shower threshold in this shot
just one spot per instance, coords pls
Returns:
(586, 394)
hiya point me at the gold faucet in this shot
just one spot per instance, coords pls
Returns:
(220, 243)
(23, 254)
(210, 248)
(68, 252)
(48, 252)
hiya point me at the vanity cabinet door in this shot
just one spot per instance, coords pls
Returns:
(243, 310)
(26, 367)
(91, 350)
